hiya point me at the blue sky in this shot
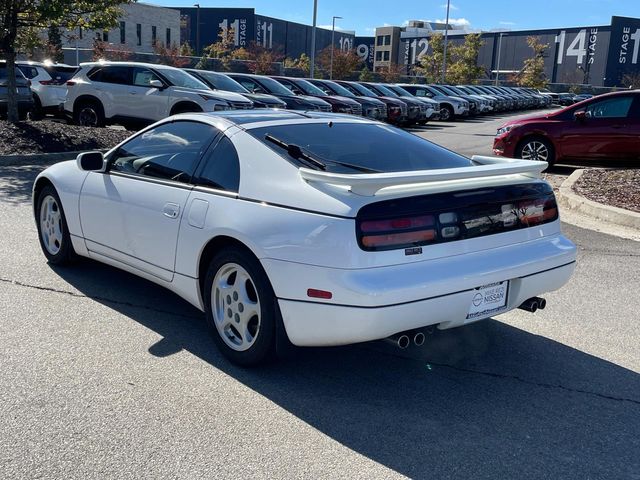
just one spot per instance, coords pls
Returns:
(364, 15)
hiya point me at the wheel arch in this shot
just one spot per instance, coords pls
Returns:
(39, 184)
(537, 134)
(87, 98)
(184, 104)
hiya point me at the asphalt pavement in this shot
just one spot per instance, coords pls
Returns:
(106, 376)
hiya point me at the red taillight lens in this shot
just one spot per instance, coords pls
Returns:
(46, 82)
(536, 212)
(70, 83)
(398, 232)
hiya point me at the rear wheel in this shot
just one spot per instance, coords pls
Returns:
(89, 113)
(446, 113)
(52, 228)
(536, 148)
(240, 307)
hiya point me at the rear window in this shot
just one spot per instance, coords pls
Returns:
(371, 146)
(60, 75)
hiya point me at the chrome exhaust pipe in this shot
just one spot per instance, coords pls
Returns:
(400, 340)
(530, 305)
(418, 339)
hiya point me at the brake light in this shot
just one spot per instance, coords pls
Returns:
(398, 232)
(70, 83)
(46, 82)
(536, 212)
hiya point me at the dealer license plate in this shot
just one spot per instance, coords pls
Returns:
(488, 300)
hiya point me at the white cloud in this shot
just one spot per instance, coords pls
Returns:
(458, 22)
(451, 6)
(506, 23)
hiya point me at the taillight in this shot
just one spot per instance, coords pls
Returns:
(46, 82)
(70, 83)
(397, 232)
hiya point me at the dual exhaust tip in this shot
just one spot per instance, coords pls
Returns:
(403, 340)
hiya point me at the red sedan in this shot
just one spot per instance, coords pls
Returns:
(606, 127)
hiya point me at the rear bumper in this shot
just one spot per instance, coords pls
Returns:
(373, 303)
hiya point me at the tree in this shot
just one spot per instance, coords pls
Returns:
(532, 73)
(303, 62)
(345, 62)
(105, 51)
(431, 63)
(261, 59)
(224, 50)
(20, 18)
(54, 44)
(186, 50)
(392, 74)
(631, 80)
(464, 68)
(170, 55)
(366, 75)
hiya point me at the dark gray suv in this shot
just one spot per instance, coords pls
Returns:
(25, 97)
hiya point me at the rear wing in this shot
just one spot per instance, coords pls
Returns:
(368, 184)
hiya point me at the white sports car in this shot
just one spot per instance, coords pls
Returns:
(313, 228)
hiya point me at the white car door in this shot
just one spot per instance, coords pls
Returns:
(146, 101)
(132, 213)
(111, 85)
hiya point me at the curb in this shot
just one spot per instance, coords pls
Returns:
(40, 158)
(570, 200)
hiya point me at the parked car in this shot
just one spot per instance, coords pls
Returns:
(500, 104)
(371, 107)
(25, 98)
(450, 107)
(291, 227)
(220, 81)
(339, 104)
(416, 110)
(549, 93)
(262, 84)
(396, 108)
(432, 107)
(488, 103)
(582, 96)
(133, 94)
(48, 85)
(446, 90)
(509, 101)
(599, 130)
(566, 99)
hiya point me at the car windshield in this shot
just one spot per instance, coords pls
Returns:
(222, 82)
(182, 79)
(309, 88)
(385, 91)
(399, 91)
(362, 90)
(374, 147)
(274, 87)
(339, 89)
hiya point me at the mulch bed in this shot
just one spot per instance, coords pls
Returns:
(47, 136)
(620, 188)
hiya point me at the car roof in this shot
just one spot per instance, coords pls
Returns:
(107, 63)
(43, 64)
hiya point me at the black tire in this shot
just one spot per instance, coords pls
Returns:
(185, 108)
(89, 113)
(262, 349)
(65, 253)
(37, 113)
(446, 113)
(534, 148)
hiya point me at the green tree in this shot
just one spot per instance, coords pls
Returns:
(20, 18)
(431, 63)
(54, 44)
(464, 68)
(366, 75)
(303, 62)
(532, 74)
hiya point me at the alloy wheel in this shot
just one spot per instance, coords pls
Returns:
(235, 306)
(88, 117)
(535, 150)
(51, 224)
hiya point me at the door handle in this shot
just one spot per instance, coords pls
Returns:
(133, 93)
(171, 210)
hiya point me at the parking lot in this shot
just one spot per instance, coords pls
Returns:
(104, 375)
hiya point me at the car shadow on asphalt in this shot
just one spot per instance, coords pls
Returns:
(484, 401)
(16, 182)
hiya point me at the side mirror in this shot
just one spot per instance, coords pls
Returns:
(155, 83)
(580, 116)
(91, 162)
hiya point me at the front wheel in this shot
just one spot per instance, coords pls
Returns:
(89, 114)
(52, 228)
(536, 148)
(446, 113)
(240, 307)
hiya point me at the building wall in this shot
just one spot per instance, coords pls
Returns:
(387, 43)
(147, 16)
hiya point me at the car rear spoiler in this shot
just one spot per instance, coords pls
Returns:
(368, 184)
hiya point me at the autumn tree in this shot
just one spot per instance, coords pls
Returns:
(463, 67)
(431, 63)
(532, 74)
(631, 80)
(224, 50)
(303, 62)
(262, 60)
(366, 75)
(345, 62)
(21, 18)
(392, 73)
(170, 55)
(53, 48)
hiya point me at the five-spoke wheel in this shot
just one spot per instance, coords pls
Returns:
(52, 227)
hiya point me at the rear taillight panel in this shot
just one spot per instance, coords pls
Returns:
(445, 217)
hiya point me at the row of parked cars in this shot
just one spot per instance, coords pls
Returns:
(132, 93)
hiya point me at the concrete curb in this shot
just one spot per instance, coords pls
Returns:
(570, 200)
(39, 158)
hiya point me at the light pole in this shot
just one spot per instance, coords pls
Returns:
(498, 62)
(197, 5)
(446, 40)
(333, 30)
(312, 67)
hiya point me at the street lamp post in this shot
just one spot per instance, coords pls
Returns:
(312, 67)
(446, 40)
(197, 5)
(498, 62)
(333, 29)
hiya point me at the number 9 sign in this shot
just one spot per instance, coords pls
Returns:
(362, 51)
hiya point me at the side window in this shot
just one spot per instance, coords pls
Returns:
(142, 77)
(611, 108)
(290, 86)
(324, 88)
(220, 168)
(112, 74)
(170, 151)
(29, 72)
